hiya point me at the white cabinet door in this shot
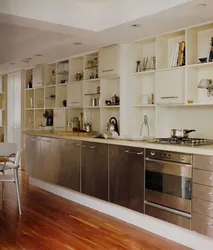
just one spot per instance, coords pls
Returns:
(17, 100)
(37, 76)
(10, 134)
(109, 61)
(74, 95)
(169, 86)
(60, 120)
(10, 97)
(17, 136)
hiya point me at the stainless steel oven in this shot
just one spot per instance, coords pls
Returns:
(168, 182)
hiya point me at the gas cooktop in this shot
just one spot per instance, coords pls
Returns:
(184, 141)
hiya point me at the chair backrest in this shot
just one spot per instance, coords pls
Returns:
(17, 159)
(7, 149)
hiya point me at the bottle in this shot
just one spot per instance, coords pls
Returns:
(211, 51)
(53, 77)
(30, 84)
(138, 67)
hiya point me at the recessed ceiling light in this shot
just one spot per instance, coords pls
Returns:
(201, 5)
(39, 55)
(28, 59)
(25, 61)
(135, 25)
(12, 63)
(78, 43)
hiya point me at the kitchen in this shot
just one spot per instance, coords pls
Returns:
(170, 176)
(126, 130)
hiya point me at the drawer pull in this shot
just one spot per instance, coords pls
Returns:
(211, 178)
(136, 153)
(169, 97)
(210, 194)
(210, 225)
(210, 209)
(85, 146)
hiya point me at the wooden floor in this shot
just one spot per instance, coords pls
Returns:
(51, 222)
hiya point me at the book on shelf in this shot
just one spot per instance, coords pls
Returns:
(178, 55)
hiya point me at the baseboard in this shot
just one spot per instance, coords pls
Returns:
(164, 229)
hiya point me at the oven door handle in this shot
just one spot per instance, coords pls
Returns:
(171, 168)
(169, 162)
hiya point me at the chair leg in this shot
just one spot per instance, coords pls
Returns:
(3, 188)
(2, 191)
(17, 190)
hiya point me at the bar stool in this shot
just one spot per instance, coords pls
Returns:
(13, 165)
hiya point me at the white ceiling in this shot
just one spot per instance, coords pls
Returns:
(22, 37)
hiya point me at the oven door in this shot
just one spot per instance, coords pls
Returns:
(169, 184)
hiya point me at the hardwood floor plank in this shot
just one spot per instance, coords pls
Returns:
(51, 222)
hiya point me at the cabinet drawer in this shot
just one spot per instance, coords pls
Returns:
(202, 192)
(202, 207)
(203, 177)
(203, 162)
(202, 224)
(175, 219)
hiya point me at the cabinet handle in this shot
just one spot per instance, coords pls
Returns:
(33, 139)
(135, 153)
(211, 178)
(169, 97)
(107, 70)
(210, 209)
(210, 225)
(210, 194)
(85, 146)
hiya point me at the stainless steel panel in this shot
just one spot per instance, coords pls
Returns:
(169, 168)
(202, 192)
(168, 216)
(202, 207)
(168, 200)
(203, 162)
(202, 224)
(203, 177)
(169, 156)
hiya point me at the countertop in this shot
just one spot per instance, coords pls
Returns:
(203, 150)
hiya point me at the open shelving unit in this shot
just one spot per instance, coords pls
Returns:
(73, 82)
(105, 73)
(175, 88)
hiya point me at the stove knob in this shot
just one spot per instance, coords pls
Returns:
(152, 153)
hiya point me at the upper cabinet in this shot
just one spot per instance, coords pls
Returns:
(109, 61)
(74, 95)
(37, 76)
(169, 86)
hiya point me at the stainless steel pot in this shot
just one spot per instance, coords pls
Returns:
(181, 133)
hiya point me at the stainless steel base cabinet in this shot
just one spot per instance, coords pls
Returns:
(69, 173)
(126, 165)
(94, 169)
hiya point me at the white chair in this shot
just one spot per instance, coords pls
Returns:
(7, 150)
(12, 177)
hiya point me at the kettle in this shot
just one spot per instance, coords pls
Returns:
(112, 125)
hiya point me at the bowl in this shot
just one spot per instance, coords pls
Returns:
(203, 60)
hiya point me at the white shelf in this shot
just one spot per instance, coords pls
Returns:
(50, 86)
(199, 65)
(62, 84)
(29, 89)
(144, 105)
(76, 82)
(41, 87)
(169, 69)
(92, 80)
(90, 107)
(110, 77)
(29, 109)
(144, 72)
(39, 108)
(111, 107)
